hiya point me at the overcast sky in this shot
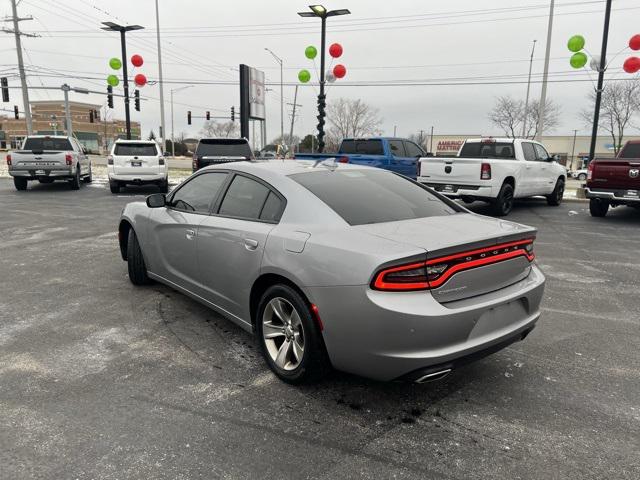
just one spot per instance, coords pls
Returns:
(432, 41)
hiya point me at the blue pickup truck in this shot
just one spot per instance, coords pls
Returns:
(396, 154)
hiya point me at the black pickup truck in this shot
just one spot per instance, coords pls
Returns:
(213, 151)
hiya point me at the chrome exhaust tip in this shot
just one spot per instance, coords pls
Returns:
(432, 377)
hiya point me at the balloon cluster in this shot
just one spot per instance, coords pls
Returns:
(579, 58)
(632, 64)
(338, 71)
(116, 64)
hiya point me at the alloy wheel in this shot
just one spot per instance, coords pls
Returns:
(283, 333)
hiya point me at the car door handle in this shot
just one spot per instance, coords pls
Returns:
(190, 234)
(250, 244)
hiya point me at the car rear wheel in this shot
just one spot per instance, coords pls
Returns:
(555, 198)
(20, 183)
(74, 183)
(164, 186)
(290, 339)
(582, 176)
(114, 187)
(135, 261)
(502, 205)
(598, 208)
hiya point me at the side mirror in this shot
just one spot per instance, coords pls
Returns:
(156, 200)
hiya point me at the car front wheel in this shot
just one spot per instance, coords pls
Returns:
(555, 198)
(289, 336)
(582, 176)
(135, 261)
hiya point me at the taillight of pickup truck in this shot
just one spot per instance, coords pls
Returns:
(9, 160)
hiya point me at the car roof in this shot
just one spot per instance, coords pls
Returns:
(150, 142)
(284, 167)
(48, 136)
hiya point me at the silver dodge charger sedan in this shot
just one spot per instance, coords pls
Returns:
(342, 266)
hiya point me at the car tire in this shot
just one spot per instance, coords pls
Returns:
(598, 208)
(89, 178)
(74, 183)
(304, 358)
(555, 198)
(20, 183)
(164, 186)
(467, 200)
(502, 205)
(114, 187)
(582, 177)
(135, 261)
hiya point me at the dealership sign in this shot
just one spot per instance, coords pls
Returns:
(449, 145)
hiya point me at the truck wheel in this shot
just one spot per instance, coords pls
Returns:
(164, 186)
(502, 205)
(555, 198)
(89, 178)
(582, 177)
(114, 187)
(135, 261)
(74, 183)
(598, 208)
(20, 183)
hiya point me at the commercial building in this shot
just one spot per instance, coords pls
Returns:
(562, 145)
(93, 131)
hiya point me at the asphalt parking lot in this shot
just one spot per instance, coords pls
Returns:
(100, 379)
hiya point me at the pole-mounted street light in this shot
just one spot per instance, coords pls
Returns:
(322, 13)
(125, 78)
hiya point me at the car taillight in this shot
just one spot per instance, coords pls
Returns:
(110, 160)
(343, 159)
(9, 160)
(590, 171)
(435, 272)
(195, 162)
(485, 171)
(160, 160)
(68, 158)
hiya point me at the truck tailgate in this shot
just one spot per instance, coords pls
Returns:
(616, 174)
(450, 170)
(40, 160)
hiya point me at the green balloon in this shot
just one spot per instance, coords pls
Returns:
(304, 76)
(578, 60)
(576, 43)
(115, 63)
(113, 80)
(310, 52)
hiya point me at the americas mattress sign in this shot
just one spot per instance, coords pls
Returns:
(451, 146)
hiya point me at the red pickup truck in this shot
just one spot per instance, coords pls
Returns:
(614, 181)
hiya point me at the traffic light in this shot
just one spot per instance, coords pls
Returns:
(207, 115)
(110, 96)
(15, 112)
(5, 89)
(233, 114)
(189, 117)
(136, 95)
(90, 116)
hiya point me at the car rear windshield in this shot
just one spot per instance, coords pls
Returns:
(488, 150)
(365, 147)
(372, 196)
(136, 149)
(632, 150)
(233, 147)
(47, 144)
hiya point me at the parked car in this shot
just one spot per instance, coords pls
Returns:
(339, 265)
(396, 154)
(496, 170)
(580, 174)
(137, 162)
(213, 151)
(614, 181)
(47, 158)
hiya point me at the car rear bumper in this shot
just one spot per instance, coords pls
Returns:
(39, 172)
(614, 196)
(396, 335)
(453, 190)
(139, 178)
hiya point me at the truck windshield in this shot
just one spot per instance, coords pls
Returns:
(632, 150)
(136, 149)
(44, 143)
(232, 147)
(488, 150)
(365, 147)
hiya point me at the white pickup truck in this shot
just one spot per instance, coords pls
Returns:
(496, 170)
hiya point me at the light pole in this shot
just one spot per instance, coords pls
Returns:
(573, 149)
(279, 60)
(526, 101)
(160, 82)
(322, 13)
(545, 74)
(125, 78)
(173, 144)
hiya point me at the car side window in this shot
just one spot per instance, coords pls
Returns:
(244, 198)
(413, 150)
(397, 149)
(198, 194)
(528, 151)
(272, 209)
(541, 153)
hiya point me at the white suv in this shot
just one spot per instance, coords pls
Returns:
(137, 162)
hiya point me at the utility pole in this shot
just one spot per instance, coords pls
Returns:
(545, 75)
(67, 110)
(162, 125)
(573, 149)
(23, 78)
(293, 115)
(395, 129)
(526, 101)
(280, 61)
(431, 141)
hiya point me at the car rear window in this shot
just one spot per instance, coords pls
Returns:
(232, 147)
(136, 149)
(365, 147)
(47, 144)
(488, 150)
(632, 150)
(372, 196)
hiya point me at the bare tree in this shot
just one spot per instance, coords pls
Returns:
(620, 105)
(352, 118)
(421, 139)
(288, 140)
(509, 113)
(212, 128)
(152, 135)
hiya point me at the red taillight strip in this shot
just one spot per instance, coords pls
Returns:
(480, 250)
(380, 284)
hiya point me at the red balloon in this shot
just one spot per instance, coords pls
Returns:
(634, 42)
(335, 50)
(631, 65)
(339, 71)
(137, 60)
(140, 80)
